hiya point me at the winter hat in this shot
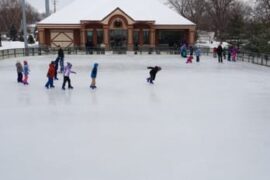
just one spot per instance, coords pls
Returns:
(96, 65)
(24, 62)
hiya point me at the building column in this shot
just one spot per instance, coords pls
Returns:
(191, 37)
(130, 38)
(106, 37)
(41, 36)
(152, 37)
(83, 41)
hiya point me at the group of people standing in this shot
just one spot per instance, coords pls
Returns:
(221, 53)
(184, 53)
(22, 72)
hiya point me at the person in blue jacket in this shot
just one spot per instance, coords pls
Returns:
(94, 76)
(198, 54)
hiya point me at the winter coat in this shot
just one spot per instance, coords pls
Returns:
(94, 71)
(61, 53)
(198, 52)
(19, 67)
(25, 69)
(51, 71)
(154, 70)
(67, 70)
(219, 50)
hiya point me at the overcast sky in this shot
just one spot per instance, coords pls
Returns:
(40, 4)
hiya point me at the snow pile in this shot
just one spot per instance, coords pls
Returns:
(204, 121)
(15, 45)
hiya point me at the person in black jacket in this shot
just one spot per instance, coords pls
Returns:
(61, 58)
(220, 53)
(153, 73)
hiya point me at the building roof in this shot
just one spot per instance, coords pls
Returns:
(96, 10)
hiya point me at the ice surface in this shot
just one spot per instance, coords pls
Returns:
(203, 121)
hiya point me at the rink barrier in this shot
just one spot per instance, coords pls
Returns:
(250, 57)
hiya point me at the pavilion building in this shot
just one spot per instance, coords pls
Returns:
(115, 23)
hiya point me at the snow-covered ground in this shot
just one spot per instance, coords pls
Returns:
(203, 121)
(15, 45)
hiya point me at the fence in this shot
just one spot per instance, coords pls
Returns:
(255, 58)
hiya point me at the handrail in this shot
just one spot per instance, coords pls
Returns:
(251, 57)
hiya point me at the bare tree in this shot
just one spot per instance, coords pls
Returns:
(11, 14)
(262, 11)
(193, 10)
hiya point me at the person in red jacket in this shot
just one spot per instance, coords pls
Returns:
(50, 75)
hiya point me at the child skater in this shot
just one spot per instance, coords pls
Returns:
(93, 76)
(189, 59)
(67, 71)
(153, 73)
(50, 75)
(19, 72)
(25, 72)
(198, 54)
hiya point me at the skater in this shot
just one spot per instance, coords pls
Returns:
(220, 53)
(19, 72)
(153, 73)
(229, 53)
(61, 59)
(25, 72)
(56, 62)
(93, 76)
(189, 59)
(183, 51)
(67, 71)
(191, 50)
(50, 75)
(198, 54)
(234, 54)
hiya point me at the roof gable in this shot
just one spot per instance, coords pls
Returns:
(117, 11)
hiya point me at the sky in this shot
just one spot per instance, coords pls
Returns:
(40, 4)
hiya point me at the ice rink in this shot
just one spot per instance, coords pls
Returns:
(200, 121)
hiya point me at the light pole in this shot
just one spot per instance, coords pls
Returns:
(24, 27)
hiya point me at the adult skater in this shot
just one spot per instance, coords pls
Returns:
(67, 71)
(50, 75)
(25, 72)
(220, 53)
(56, 62)
(19, 68)
(61, 58)
(198, 54)
(153, 73)
(93, 76)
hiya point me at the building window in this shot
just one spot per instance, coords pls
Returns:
(118, 23)
(146, 37)
(90, 36)
(100, 36)
(170, 37)
(136, 37)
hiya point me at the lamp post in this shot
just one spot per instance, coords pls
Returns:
(24, 27)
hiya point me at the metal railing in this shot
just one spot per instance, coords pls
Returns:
(255, 58)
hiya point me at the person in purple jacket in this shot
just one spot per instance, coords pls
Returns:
(67, 71)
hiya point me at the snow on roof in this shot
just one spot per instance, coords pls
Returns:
(139, 10)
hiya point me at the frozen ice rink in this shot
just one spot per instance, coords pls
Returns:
(205, 121)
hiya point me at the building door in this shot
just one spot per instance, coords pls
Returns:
(118, 38)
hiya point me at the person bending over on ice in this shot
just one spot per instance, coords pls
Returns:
(189, 59)
(67, 71)
(50, 75)
(153, 73)
(93, 76)
(19, 72)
